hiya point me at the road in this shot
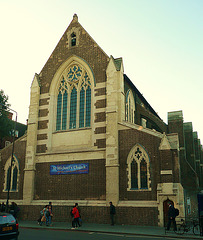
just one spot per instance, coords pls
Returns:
(49, 234)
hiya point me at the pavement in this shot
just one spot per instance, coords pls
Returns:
(152, 231)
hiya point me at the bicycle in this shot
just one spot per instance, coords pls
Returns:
(185, 227)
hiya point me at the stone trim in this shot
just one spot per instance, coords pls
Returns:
(100, 97)
(71, 156)
(139, 128)
(137, 204)
(100, 85)
(100, 136)
(166, 172)
(71, 202)
(100, 124)
(98, 110)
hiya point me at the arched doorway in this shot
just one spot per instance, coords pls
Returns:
(165, 208)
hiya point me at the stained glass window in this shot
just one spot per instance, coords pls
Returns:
(88, 107)
(82, 108)
(8, 178)
(64, 116)
(73, 109)
(138, 168)
(129, 107)
(74, 97)
(11, 175)
(59, 106)
(143, 174)
(134, 182)
(15, 177)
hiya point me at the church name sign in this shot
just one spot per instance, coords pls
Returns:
(63, 169)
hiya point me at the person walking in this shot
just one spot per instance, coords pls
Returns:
(76, 215)
(171, 217)
(72, 216)
(45, 216)
(112, 213)
(51, 213)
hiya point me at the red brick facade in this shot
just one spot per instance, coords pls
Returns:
(169, 165)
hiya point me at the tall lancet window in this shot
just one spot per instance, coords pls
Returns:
(11, 175)
(138, 169)
(62, 99)
(73, 39)
(73, 108)
(129, 107)
(74, 99)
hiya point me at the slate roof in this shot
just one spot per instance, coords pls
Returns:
(148, 106)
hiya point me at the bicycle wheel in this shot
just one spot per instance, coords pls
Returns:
(196, 229)
(180, 229)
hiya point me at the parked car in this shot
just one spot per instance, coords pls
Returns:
(8, 226)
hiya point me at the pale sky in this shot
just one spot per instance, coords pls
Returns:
(160, 41)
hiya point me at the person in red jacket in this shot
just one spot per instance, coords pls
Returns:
(76, 215)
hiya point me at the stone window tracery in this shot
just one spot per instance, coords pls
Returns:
(11, 181)
(74, 99)
(138, 169)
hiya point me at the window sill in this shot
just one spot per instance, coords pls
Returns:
(71, 130)
(10, 191)
(139, 190)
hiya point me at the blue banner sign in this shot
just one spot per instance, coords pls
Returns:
(69, 169)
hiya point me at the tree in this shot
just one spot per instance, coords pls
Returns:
(6, 124)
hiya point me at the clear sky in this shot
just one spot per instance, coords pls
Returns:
(160, 41)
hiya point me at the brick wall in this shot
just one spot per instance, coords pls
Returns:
(71, 186)
(124, 215)
(176, 126)
(127, 139)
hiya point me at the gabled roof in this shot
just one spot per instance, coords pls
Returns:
(169, 141)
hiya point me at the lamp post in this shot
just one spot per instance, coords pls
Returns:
(12, 159)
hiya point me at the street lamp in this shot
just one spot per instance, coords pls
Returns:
(12, 159)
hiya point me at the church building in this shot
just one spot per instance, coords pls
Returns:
(93, 138)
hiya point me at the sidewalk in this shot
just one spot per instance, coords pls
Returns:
(105, 228)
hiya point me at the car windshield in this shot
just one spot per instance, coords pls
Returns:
(7, 219)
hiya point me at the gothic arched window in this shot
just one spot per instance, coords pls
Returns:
(129, 107)
(11, 175)
(74, 99)
(138, 169)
